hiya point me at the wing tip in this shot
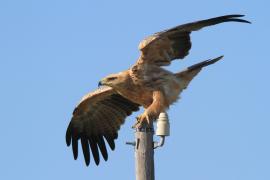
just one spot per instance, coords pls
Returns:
(212, 61)
(204, 63)
(234, 17)
(97, 162)
(75, 148)
(68, 135)
(75, 156)
(216, 59)
(68, 141)
(240, 20)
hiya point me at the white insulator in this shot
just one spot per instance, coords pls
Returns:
(163, 125)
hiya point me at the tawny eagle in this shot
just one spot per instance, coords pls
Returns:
(100, 114)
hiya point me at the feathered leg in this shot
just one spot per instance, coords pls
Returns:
(152, 112)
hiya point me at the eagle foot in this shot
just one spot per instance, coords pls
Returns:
(142, 121)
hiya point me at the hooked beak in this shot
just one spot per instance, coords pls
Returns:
(100, 83)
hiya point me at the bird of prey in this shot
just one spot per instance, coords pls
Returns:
(99, 114)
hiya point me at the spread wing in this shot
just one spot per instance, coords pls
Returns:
(163, 47)
(98, 117)
(186, 75)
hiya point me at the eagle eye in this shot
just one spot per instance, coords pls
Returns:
(112, 78)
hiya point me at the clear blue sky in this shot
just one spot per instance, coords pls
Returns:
(52, 52)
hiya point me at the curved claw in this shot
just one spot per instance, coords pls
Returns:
(142, 120)
(136, 123)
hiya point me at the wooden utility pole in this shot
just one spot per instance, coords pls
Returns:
(144, 154)
(144, 146)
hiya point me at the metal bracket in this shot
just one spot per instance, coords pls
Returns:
(131, 143)
(134, 143)
(160, 143)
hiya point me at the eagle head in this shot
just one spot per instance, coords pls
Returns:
(114, 80)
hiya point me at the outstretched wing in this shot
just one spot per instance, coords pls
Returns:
(186, 75)
(98, 116)
(163, 47)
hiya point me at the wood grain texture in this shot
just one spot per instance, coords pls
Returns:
(144, 156)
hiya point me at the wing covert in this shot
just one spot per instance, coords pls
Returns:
(163, 47)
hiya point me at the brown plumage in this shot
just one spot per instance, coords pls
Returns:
(100, 114)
